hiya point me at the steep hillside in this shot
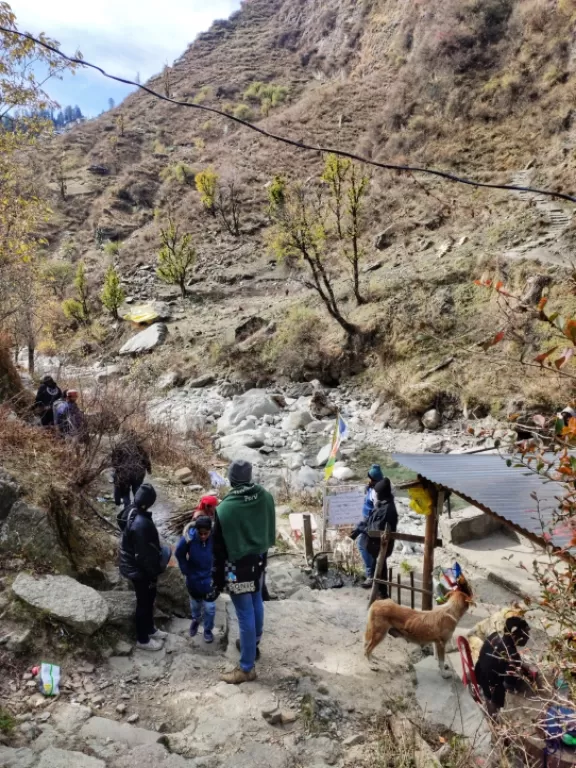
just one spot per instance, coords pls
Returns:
(481, 87)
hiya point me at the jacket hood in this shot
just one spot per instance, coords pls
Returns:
(145, 496)
(383, 489)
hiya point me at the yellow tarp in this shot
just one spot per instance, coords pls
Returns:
(420, 501)
(142, 314)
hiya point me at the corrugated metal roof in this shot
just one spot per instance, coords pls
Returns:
(485, 479)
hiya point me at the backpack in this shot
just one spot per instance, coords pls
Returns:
(126, 516)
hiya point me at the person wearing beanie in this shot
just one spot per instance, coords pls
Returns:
(48, 393)
(244, 530)
(384, 515)
(194, 555)
(68, 417)
(375, 475)
(142, 560)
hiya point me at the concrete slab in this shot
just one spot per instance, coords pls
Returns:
(448, 703)
(502, 557)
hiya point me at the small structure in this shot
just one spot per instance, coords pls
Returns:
(518, 497)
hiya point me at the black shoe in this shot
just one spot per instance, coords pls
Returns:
(257, 648)
(367, 584)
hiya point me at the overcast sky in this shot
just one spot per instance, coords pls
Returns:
(124, 37)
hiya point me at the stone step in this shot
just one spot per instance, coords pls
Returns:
(102, 729)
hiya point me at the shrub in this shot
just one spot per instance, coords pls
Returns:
(113, 294)
(207, 186)
(181, 172)
(176, 257)
(73, 310)
(206, 92)
(158, 148)
(266, 92)
(243, 112)
(112, 248)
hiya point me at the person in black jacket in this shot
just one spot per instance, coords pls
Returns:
(383, 515)
(142, 560)
(130, 462)
(499, 666)
(48, 393)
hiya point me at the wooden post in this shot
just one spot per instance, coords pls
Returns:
(379, 567)
(399, 591)
(429, 542)
(412, 590)
(308, 545)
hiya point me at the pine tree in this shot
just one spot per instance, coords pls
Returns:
(113, 294)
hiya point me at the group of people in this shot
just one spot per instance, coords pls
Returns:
(58, 409)
(223, 547)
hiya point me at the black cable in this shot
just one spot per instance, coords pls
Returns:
(291, 142)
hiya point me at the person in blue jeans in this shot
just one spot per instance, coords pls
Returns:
(375, 474)
(195, 556)
(244, 530)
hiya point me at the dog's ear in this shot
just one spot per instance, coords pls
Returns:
(463, 585)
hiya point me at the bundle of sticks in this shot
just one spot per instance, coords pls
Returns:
(179, 519)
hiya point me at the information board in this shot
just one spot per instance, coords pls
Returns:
(345, 508)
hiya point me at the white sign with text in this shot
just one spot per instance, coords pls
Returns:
(345, 508)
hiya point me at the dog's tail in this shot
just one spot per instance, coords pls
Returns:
(371, 638)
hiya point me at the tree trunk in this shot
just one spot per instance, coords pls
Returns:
(183, 288)
(31, 348)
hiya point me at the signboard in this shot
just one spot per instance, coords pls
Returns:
(345, 508)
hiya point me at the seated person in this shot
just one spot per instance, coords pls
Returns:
(499, 667)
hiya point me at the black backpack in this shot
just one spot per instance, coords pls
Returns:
(126, 516)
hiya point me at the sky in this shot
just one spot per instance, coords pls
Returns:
(125, 37)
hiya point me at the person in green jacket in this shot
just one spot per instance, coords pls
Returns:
(244, 530)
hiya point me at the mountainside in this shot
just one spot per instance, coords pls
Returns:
(483, 88)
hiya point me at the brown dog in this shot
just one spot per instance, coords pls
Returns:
(420, 627)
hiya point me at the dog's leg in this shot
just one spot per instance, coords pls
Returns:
(376, 631)
(445, 669)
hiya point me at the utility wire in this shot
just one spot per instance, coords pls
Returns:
(284, 139)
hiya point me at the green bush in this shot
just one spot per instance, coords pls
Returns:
(74, 310)
(181, 172)
(267, 95)
(243, 112)
(204, 93)
(112, 248)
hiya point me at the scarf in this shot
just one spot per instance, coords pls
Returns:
(248, 521)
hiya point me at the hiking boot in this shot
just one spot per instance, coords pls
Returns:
(151, 645)
(208, 636)
(257, 648)
(194, 627)
(238, 676)
(159, 634)
(367, 584)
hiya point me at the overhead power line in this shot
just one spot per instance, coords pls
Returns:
(286, 140)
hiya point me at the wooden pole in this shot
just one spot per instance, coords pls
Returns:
(412, 590)
(399, 589)
(379, 567)
(429, 542)
(308, 545)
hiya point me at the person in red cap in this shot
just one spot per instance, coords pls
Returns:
(206, 507)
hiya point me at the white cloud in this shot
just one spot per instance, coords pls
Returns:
(123, 36)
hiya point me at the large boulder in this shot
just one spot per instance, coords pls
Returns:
(121, 607)
(64, 599)
(145, 340)
(173, 595)
(296, 420)
(251, 438)
(323, 455)
(9, 493)
(306, 477)
(255, 403)
(27, 532)
(432, 419)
